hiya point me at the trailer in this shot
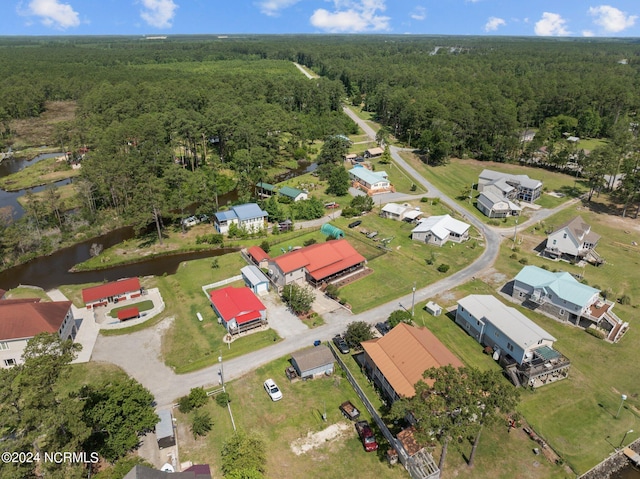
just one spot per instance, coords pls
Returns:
(349, 410)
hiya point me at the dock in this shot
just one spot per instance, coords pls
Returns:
(632, 455)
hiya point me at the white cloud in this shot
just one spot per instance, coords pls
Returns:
(493, 23)
(551, 24)
(52, 13)
(611, 19)
(158, 13)
(587, 33)
(419, 13)
(352, 16)
(273, 7)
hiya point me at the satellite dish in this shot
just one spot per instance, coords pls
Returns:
(167, 468)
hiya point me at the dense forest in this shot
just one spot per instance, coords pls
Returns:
(176, 122)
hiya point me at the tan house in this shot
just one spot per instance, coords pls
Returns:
(22, 319)
(396, 361)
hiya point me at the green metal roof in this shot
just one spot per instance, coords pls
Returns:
(290, 192)
(265, 186)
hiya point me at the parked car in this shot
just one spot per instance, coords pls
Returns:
(341, 344)
(383, 328)
(331, 205)
(355, 223)
(203, 218)
(190, 221)
(272, 390)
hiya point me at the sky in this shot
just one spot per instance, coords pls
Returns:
(551, 18)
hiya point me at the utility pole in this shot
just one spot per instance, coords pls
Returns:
(413, 300)
(515, 233)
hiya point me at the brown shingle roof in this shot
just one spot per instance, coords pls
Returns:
(405, 353)
(25, 320)
(580, 230)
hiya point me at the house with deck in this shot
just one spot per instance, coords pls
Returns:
(573, 241)
(522, 347)
(371, 182)
(495, 205)
(396, 361)
(563, 297)
(112, 292)
(513, 187)
(238, 309)
(22, 319)
(438, 230)
(249, 217)
(316, 264)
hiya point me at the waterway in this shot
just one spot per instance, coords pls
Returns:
(13, 165)
(627, 473)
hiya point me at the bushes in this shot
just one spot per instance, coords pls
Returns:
(595, 332)
(201, 424)
(443, 268)
(196, 399)
(624, 299)
(222, 399)
(213, 238)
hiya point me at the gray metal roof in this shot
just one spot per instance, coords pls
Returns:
(520, 329)
(165, 427)
(253, 274)
(312, 358)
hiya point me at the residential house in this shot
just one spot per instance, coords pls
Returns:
(22, 319)
(249, 217)
(527, 136)
(437, 230)
(313, 362)
(573, 241)
(396, 361)
(318, 263)
(238, 309)
(525, 349)
(373, 152)
(494, 205)
(398, 212)
(265, 190)
(111, 292)
(562, 297)
(255, 279)
(519, 187)
(371, 182)
(258, 256)
(293, 194)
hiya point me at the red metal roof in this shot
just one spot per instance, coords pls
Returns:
(26, 319)
(321, 259)
(128, 313)
(236, 303)
(257, 253)
(107, 290)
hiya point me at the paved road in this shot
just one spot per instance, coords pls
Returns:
(140, 353)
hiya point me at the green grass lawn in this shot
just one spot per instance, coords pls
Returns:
(142, 306)
(25, 292)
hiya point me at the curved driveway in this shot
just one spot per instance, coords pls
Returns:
(139, 354)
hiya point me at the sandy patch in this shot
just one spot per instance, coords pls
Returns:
(314, 440)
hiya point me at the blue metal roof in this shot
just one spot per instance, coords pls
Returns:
(367, 176)
(225, 215)
(249, 211)
(562, 284)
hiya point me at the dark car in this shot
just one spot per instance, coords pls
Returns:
(383, 328)
(355, 223)
(341, 344)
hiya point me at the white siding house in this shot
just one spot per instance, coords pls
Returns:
(437, 230)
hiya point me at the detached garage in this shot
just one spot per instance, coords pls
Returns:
(312, 362)
(164, 429)
(255, 279)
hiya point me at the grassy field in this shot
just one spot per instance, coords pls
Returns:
(584, 405)
(23, 292)
(68, 195)
(142, 306)
(32, 133)
(459, 174)
(42, 173)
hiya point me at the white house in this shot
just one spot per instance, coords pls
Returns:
(397, 212)
(255, 279)
(294, 194)
(573, 240)
(22, 319)
(496, 206)
(249, 217)
(438, 230)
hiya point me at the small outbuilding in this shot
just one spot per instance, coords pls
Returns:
(164, 429)
(255, 279)
(313, 362)
(433, 308)
(128, 313)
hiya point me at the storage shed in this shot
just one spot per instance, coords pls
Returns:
(164, 429)
(255, 279)
(433, 308)
(313, 362)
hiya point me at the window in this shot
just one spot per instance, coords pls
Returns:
(562, 312)
(554, 241)
(564, 235)
(510, 346)
(496, 334)
(4, 345)
(477, 323)
(9, 362)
